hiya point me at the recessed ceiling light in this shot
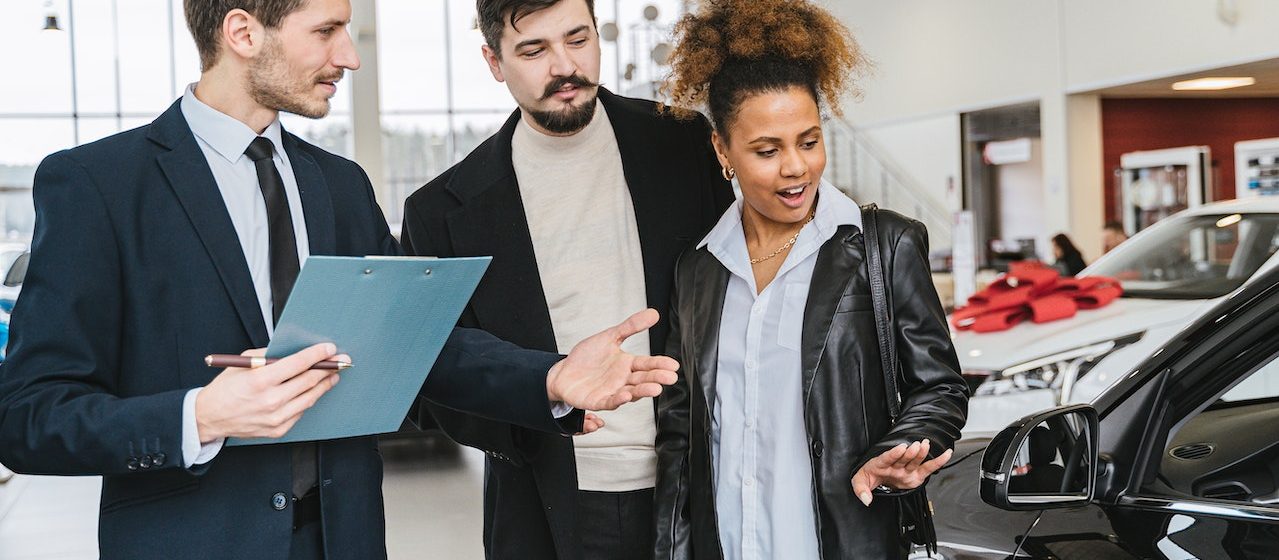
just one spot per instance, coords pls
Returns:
(1213, 84)
(1229, 220)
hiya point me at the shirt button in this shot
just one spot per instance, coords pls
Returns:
(750, 481)
(756, 310)
(279, 501)
(818, 448)
(750, 422)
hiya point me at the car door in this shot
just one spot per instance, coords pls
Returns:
(1190, 457)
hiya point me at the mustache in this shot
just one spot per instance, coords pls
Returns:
(332, 77)
(575, 80)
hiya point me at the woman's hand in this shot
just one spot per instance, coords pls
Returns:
(590, 424)
(902, 468)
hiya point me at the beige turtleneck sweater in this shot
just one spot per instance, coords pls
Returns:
(582, 222)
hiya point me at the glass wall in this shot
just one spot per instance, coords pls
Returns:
(110, 65)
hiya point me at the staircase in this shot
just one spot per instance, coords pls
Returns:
(862, 169)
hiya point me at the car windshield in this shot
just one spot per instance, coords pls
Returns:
(1192, 257)
(7, 257)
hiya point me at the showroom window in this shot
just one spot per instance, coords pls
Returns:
(93, 68)
(439, 100)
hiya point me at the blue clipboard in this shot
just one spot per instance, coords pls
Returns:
(392, 315)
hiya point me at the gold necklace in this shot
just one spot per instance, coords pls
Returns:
(789, 242)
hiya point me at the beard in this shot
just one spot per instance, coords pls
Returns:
(272, 84)
(572, 118)
(568, 120)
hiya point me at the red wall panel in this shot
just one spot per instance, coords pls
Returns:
(1129, 125)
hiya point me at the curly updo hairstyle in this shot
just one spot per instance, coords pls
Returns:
(731, 49)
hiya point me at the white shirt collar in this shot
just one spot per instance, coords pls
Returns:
(226, 135)
(834, 209)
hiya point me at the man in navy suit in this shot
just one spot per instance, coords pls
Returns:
(159, 245)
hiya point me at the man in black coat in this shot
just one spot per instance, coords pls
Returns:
(159, 245)
(584, 199)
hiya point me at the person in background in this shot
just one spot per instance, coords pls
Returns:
(1067, 257)
(1112, 235)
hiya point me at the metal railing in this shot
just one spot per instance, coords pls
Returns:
(859, 167)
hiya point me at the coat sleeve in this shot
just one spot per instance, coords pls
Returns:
(481, 431)
(671, 519)
(60, 409)
(476, 373)
(934, 394)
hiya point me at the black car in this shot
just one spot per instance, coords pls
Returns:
(1179, 459)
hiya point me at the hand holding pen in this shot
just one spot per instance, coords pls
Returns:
(265, 399)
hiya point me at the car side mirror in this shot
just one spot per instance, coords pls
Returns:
(1044, 461)
(18, 271)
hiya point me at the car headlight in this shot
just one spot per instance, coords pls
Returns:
(1058, 372)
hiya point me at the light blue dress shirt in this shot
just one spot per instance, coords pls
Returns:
(223, 139)
(759, 445)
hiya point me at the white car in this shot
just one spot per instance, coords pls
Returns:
(1171, 272)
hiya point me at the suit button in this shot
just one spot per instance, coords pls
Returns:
(145, 462)
(817, 448)
(132, 463)
(158, 459)
(279, 501)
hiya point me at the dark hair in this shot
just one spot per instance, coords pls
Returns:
(1068, 248)
(204, 19)
(1114, 226)
(493, 15)
(731, 49)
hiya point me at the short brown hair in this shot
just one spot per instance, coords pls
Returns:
(492, 16)
(204, 19)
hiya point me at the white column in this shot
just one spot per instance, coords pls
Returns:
(1087, 180)
(366, 124)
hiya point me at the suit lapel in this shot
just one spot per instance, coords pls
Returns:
(192, 182)
(659, 240)
(836, 267)
(317, 204)
(492, 222)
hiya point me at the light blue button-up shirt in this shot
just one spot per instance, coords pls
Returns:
(759, 445)
(223, 140)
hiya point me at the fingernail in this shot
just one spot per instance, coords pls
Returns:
(865, 498)
(330, 348)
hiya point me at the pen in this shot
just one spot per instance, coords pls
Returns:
(230, 360)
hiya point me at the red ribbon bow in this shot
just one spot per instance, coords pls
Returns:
(1033, 291)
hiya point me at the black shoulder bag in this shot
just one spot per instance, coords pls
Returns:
(914, 511)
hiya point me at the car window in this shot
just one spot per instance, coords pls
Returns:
(7, 258)
(1262, 384)
(1230, 450)
(1193, 257)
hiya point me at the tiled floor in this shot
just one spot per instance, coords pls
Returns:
(432, 491)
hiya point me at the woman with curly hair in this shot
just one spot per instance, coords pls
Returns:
(783, 437)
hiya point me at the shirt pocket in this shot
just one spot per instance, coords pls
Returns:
(790, 325)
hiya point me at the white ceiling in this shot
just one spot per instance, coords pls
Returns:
(1266, 72)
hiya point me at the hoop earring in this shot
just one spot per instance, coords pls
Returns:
(728, 173)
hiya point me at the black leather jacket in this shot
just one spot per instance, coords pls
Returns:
(845, 410)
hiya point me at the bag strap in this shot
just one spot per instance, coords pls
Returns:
(879, 297)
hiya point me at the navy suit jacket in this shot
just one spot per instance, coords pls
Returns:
(136, 273)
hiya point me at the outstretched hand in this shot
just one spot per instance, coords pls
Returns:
(598, 375)
(903, 468)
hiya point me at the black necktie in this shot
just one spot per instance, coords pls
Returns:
(284, 272)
